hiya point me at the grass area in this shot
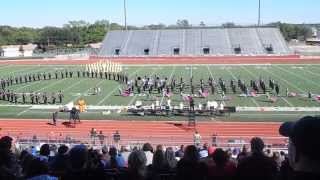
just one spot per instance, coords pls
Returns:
(297, 78)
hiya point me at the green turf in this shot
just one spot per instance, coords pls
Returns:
(297, 78)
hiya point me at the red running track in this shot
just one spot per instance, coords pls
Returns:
(168, 133)
(290, 59)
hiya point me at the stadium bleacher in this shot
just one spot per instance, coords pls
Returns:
(195, 42)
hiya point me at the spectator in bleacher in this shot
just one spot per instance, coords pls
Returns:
(25, 161)
(148, 150)
(303, 147)
(158, 162)
(203, 152)
(83, 165)
(197, 139)
(9, 167)
(137, 169)
(39, 170)
(243, 154)
(190, 167)
(104, 156)
(179, 154)
(170, 159)
(44, 152)
(222, 168)
(116, 160)
(257, 165)
(59, 163)
(125, 152)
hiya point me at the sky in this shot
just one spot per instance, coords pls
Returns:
(40, 13)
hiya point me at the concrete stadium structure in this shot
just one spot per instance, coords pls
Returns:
(249, 41)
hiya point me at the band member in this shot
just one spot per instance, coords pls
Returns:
(277, 89)
(23, 98)
(70, 74)
(54, 117)
(60, 96)
(49, 74)
(37, 98)
(53, 98)
(78, 73)
(15, 95)
(32, 98)
(45, 98)
(191, 104)
(56, 74)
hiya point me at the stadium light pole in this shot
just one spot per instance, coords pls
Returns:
(259, 14)
(125, 14)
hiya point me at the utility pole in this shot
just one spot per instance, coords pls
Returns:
(125, 14)
(259, 14)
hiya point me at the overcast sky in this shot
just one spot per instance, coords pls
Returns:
(39, 13)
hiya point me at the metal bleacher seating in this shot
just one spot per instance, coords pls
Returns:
(195, 42)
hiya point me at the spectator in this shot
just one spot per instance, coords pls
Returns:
(180, 152)
(197, 139)
(303, 147)
(190, 167)
(204, 151)
(170, 160)
(116, 160)
(243, 154)
(257, 165)
(137, 166)
(125, 152)
(60, 162)
(39, 170)
(158, 162)
(80, 167)
(44, 152)
(148, 150)
(222, 168)
(9, 167)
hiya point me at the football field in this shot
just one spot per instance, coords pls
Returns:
(299, 79)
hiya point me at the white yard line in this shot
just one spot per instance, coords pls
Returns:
(304, 79)
(252, 99)
(289, 103)
(50, 85)
(22, 112)
(287, 82)
(116, 88)
(210, 72)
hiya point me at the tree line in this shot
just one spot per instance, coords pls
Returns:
(80, 33)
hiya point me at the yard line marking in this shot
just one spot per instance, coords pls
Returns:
(22, 112)
(210, 72)
(297, 76)
(51, 84)
(116, 88)
(170, 78)
(285, 100)
(284, 80)
(75, 84)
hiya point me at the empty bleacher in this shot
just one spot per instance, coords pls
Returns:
(195, 42)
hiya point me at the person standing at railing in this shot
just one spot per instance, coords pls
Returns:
(197, 139)
(101, 137)
(116, 138)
